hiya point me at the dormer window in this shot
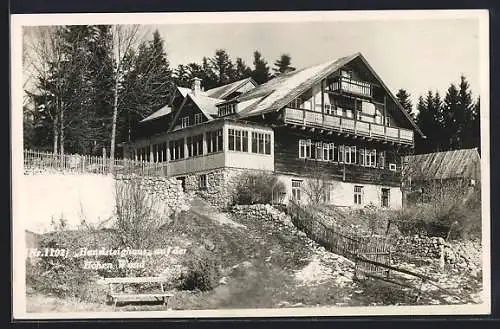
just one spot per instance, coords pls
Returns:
(227, 109)
(184, 122)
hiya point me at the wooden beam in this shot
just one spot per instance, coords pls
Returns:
(322, 99)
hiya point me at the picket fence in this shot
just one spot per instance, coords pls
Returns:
(75, 163)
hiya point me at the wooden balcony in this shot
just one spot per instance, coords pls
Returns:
(347, 85)
(340, 124)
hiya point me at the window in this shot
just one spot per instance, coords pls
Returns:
(361, 157)
(341, 153)
(183, 182)
(296, 184)
(176, 149)
(198, 118)
(385, 197)
(319, 151)
(371, 158)
(184, 122)
(326, 152)
(381, 159)
(238, 140)
(327, 195)
(304, 148)
(261, 143)
(358, 194)
(195, 145)
(214, 141)
(227, 109)
(202, 181)
(350, 154)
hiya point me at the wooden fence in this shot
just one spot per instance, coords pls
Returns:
(354, 247)
(371, 254)
(76, 163)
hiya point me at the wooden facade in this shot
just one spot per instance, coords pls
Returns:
(337, 118)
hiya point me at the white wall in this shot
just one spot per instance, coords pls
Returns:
(47, 196)
(195, 164)
(342, 193)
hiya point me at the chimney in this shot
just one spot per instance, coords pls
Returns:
(196, 86)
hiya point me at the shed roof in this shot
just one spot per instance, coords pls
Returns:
(464, 163)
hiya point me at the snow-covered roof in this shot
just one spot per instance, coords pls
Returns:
(226, 90)
(280, 90)
(206, 104)
(161, 112)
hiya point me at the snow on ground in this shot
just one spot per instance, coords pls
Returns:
(326, 266)
(223, 219)
(41, 198)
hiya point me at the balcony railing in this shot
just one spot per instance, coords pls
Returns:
(351, 86)
(342, 124)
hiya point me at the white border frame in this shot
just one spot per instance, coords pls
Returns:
(18, 247)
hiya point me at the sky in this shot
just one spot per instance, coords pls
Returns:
(416, 55)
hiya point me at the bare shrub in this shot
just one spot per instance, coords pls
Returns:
(203, 273)
(254, 188)
(449, 210)
(52, 274)
(317, 186)
(139, 215)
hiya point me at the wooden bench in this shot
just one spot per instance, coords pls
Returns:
(116, 296)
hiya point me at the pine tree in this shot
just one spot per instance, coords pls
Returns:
(260, 72)
(451, 124)
(222, 67)
(476, 125)
(148, 82)
(465, 115)
(242, 70)
(404, 99)
(283, 65)
(181, 76)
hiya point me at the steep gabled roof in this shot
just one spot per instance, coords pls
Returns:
(280, 91)
(464, 163)
(206, 104)
(226, 90)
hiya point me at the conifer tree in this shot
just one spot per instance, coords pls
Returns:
(260, 72)
(283, 65)
(403, 98)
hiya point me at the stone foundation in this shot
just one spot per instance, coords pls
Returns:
(166, 193)
(220, 185)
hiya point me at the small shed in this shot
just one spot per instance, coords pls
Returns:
(424, 172)
(457, 165)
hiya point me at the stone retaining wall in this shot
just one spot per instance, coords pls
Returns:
(263, 212)
(220, 185)
(166, 194)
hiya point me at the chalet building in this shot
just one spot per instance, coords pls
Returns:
(338, 119)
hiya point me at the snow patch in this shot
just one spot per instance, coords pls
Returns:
(223, 219)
